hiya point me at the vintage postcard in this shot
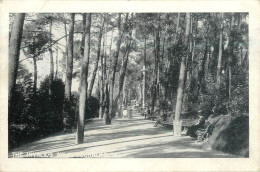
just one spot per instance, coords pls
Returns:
(129, 86)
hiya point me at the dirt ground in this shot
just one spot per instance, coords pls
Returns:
(124, 138)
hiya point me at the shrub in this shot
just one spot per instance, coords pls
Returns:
(23, 113)
(50, 119)
(33, 115)
(240, 99)
(231, 135)
(92, 108)
(91, 111)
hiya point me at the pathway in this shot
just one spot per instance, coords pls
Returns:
(124, 138)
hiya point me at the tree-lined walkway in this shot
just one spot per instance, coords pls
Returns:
(130, 138)
(176, 61)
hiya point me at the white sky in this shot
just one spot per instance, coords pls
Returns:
(43, 65)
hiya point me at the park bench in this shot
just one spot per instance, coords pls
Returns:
(152, 117)
(186, 123)
(187, 118)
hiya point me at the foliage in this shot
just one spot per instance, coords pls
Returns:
(52, 105)
(92, 105)
(23, 114)
(38, 114)
(92, 108)
(231, 135)
(240, 99)
(35, 115)
(34, 39)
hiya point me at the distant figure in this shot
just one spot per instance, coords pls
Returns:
(161, 119)
(208, 132)
(129, 114)
(147, 112)
(200, 124)
(164, 116)
(125, 113)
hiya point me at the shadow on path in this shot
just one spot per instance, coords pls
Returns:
(134, 138)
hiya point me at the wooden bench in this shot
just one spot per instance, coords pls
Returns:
(151, 117)
(186, 123)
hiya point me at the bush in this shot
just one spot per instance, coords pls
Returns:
(240, 100)
(92, 108)
(32, 115)
(91, 111)
(51, 106)
(231, 135)
(23, 113)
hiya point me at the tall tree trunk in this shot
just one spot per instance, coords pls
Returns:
(207, 62)
(57, 55)
(124, 92)
(110, 55)
(123, 72)
(231, 44)
(201, 72)
(129, 95)
(157, 64)
(83, 85)
(177, 29)
(181, 82)
(124, 66)
(66, 38)
(103, 72)
(97, 59)
(101, 87)
(140, 93)
(245, 62)
(101, 107)
(154, 79)
(97, 91)
(51, 59)
(189, 60)
(144, 74)
(158, 58)
(14, 52)
(193, 57)
(170, 56)
(220, 50)
(67, 112)
(194, 33)
(106, 116)
(34, 75)
(69, 61)
(83, 35)
(241, 56)
(163, 47)
(154, 74)
(34, 69)
(189, 69)
(114, 65)
(163, 52)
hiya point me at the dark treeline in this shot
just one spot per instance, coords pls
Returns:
(181, 62)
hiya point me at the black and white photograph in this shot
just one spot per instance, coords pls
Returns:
(129, 85)
(124, 84)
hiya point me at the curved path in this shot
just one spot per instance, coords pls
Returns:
(124, 138)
